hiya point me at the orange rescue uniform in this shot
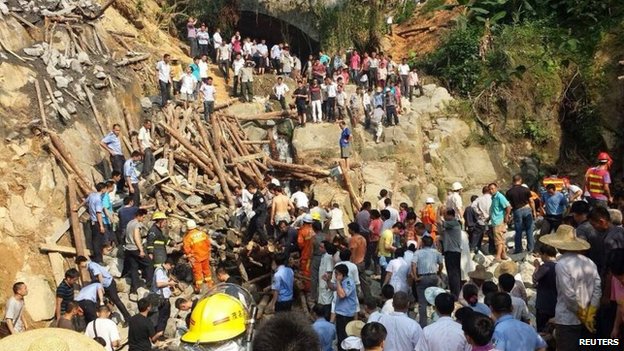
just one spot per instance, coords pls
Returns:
(305, 241)
(196, 246)
(429, 218)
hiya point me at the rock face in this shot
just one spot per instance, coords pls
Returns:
(40, 299)
(317, 144)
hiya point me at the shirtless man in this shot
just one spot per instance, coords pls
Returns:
(281, 207)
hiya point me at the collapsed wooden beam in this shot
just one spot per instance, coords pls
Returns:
(67, 160)
(298, 168)
(267, 116)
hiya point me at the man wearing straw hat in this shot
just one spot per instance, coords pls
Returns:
(578, 288)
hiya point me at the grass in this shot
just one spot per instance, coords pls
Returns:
(431, 6)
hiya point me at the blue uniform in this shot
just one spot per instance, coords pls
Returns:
(112, 141)
(347, 306)
(511, 334)
(326, 332)
(283, 281)
(94, 204)
(95, 270)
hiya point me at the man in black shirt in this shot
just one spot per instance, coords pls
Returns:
(65, 292)
(523, 210)
(141, 332)
(257, 223)
(301, 99)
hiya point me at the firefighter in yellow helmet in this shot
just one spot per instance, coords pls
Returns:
(223, 320)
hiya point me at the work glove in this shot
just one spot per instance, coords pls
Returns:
(581, 313)
(590, 319)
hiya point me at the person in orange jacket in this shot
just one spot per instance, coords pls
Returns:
(196, 245)
(429, 218)
(305, 237)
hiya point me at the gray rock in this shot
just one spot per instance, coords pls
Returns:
(4, 9)
(83, 58)
(64, 113)
(146, 103)
(63, 62)
(193, 200)
(60, 100)
(100, 75)
(98, 68)
(53, 71)
(75, 66)
(61, 82)
(36, 51)
(57, 94)
(71, 108)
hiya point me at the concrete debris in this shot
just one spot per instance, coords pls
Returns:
(100, 75)
(53, 71)
(146, 103)
(75, 66)
(83, 58)
(98, 68)
(4, 9)
(71, 108)
(57, 94)
(62, 82)
(36, 50)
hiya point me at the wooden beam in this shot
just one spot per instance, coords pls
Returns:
(246, 158)
(251, 142)
(58, 233)
(267, 116)
(79, 237)
(47, 247)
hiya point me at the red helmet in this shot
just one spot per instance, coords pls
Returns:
(603, 156)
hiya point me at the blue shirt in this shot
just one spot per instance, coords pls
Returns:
(283, 281)
(94, 204)
(195, 71)
(95, 270)
(344, 137)
(378, 100)
(555, 204)
(481, 308)
(113, 143)
(89, 293)
(511, 334)
(106, 204)
(497, 209)
(427, 260)
(326, 332)
(130, 171)
(324, 59)
(347, 306)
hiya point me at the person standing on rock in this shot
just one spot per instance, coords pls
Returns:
(451, 241)
(14, 312)
(301, 99)
(281, 207)
(112, 144)
(305, 241)
(191, 35)
(500, 213)
(161, 285)
(135, 257)
(131, 175)
(598, 181)
(96, 216)
(345, 144)
(196, 245)
(392, 118)
(414, 83)
(330, 88)
(65, 292)
(164, 79)
(426, 267)
(404, 71)
(102, 275)
(482, 209)
(523, 213)
(203, 40)
(217, 42)
(454, 201)
(237, 65)
(554, 205)
(316, 100)
(207, 91)
(279, 90)
(157, 240)
(429, 218)
(187, 88)
(246, 78)
(145, 143)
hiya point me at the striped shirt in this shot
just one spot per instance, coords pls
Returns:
(65, 292)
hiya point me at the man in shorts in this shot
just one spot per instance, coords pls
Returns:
(500, 214)
(345, 143)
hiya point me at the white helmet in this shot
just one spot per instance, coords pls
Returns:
(430, 200)
(190, 224)
(456, 186)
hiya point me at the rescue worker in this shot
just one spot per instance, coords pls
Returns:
(221, 321)
(429, 218)
(305, 241)
(196, 246)
(258, 221)
(157, 241)
(598, 180)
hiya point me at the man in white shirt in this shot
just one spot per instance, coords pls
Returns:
(280, 89)
(331, 90)
(454, 201)
(145, 143)
(482, 209)
(187, 85)
(164, 79)
(397, 271)
(207, 91)
(336, 223)
(237, 65)
(445, 334)
(404, 71)
(224, 52)
(394, 213)
(263, 52)
(203, 67)
(299, 198)
(217, 40)
(325, 294)
(414, 83)
(103, 327)
(276, 55)
(403, 332)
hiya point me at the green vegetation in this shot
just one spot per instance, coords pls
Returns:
(533, 62)
(352, 23)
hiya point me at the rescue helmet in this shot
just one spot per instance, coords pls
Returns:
(316, 216)
(159, 215)
(190, 224)
(430, 200)
(221, 315)
(603, 157)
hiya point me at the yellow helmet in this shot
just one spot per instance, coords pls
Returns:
(159, 215)
(316, 216)
(216, 318)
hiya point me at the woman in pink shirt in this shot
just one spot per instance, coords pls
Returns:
(373, 240)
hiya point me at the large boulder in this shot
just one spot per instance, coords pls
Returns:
(317, 144)
(40, 299)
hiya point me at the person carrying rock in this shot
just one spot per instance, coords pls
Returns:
(196, 246)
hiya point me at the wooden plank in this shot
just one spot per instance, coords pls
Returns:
(246, 158)
(79, 237)
(60, 248)
(58, 233)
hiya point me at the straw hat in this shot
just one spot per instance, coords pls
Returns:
(509, 267)
(565, 239)
(480, 273)
(354, 328)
